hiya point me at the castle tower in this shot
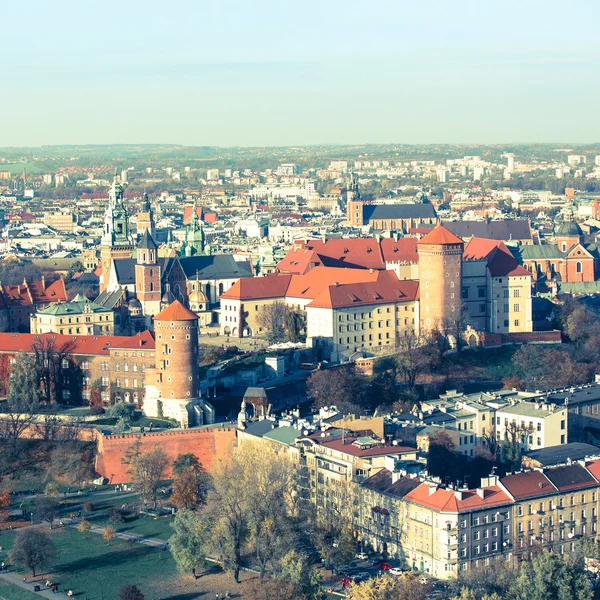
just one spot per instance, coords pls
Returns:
(148, 276)
(176, 389)
(194, 236)
(117, 240)
(354, 204)
(440, 280)
(145, 219)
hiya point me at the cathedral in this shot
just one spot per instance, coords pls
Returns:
(137, 283)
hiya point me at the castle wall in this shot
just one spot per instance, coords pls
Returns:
(206, 444)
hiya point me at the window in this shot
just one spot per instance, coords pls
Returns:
(579, 267)
(481, 292)
(516, 307)
(465, 293)
(516, 293)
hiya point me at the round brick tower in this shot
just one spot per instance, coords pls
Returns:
(176, 334)
(440, 278)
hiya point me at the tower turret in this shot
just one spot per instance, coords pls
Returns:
(440, 280)
(148, 276)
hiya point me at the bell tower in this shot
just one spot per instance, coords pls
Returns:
(148, 276)
(117, 240)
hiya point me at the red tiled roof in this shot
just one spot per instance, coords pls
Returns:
(35, 292)
(593, 466)
(440, 235)
(349, 448)
(446, 500)
(312, 283)
(255, 288)
(501, 262)
(298, 261)
(79, 344)
(479, 248)
(403, 250)
(388, 288)
(176, 312)
(529, 484)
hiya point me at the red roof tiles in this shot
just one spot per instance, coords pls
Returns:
(176, 312)
(441, 236)
(79, 344)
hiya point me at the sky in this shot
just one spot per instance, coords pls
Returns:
(268, 72)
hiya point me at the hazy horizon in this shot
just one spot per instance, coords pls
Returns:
(270, 73)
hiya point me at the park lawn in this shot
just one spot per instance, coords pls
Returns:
(93, 569)
(146, 526)
(8, 591)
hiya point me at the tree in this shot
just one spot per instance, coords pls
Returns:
(45, 509)
(188, 543)
(124, 414)
(84, 525)
(343, 387)
(130, 592)
(295, 567)
(4, 504)
(51, 490)
(230, 512)
(406, 587)
(440, 455)
(76, 267)
(190, 487)
(108, 533)
(272, 588)
(281, 323)
(184, 461)
(24, 398)
(416, 355)
(32, 549)
(549, 577)
(147, 470)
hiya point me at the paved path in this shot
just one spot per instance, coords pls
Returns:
(44, 592)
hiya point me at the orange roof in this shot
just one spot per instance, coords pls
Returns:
(298, 261)
(445, 500)
(440, 235)
(35, 292)
(403, 250)
(312, 283)
(386, 289)
(254, 288)
(76, 344)
(593, 466)
(176, 312)
(479, 248)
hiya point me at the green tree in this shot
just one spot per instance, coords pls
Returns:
(32, 549)
(124, 414)
(295, 567)
(188, 543)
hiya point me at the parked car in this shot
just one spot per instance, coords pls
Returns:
(395, 571)
(384, 566)
(362, 556)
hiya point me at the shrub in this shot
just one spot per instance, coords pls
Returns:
(97, 410)
(115, 515)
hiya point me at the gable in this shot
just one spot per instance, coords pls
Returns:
(579, 252)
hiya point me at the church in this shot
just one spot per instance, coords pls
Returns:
(137, 283)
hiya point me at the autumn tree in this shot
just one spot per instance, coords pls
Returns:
(108, 533)
(281, 323)
(272, 588)
(441, 454)
(147, 470)
(32, 549)
(343, 387)
(4, 504)
(415, 356)
(84, 525)
(130, 592)
(190, 487)
(406, 587)
(188, 543)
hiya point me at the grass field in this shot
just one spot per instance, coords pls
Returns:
(12, 592)
(17, 168)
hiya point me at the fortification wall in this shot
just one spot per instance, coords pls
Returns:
(206, 444)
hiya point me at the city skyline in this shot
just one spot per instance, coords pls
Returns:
(282, 74)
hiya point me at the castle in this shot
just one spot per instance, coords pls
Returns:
(138, 283)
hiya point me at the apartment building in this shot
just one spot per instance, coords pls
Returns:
(534, 425)
(451, 530)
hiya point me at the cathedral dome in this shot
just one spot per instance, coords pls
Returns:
(135, 307)
(197, 297)
(168, 296)
(569, 229)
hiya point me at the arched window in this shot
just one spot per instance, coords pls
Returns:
(579, 267)
(151, 273)
(151, 286)
(220, 289)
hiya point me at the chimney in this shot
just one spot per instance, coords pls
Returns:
(396, 476)
(396, 236)
(432, 489)
(43, 282)
(336, 283)
(458, 494)
(481, 493)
